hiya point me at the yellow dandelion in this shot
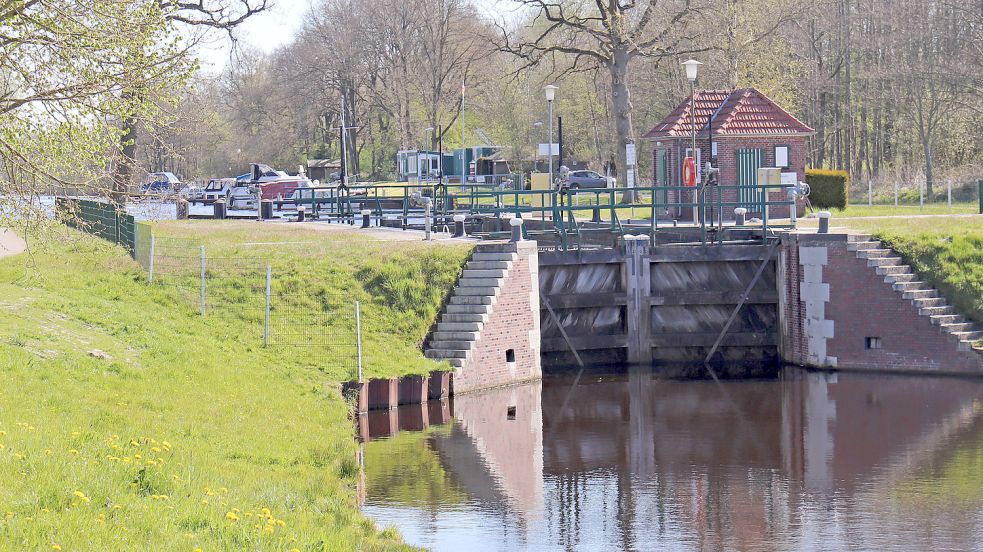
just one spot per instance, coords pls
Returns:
(138, 457)
(134, 443)
(155, 449)
(266, 512)
(294, 550)
(204, 501)
(56, 547)
(49, 452)
(75, 434)
(165, 444)
(117, 507)
(197, 549)
(73, 451)
(281, 523)
(151, 463)
(231, 516)
(45, 510)
(268, 529)
(81, 496)
(2, 446)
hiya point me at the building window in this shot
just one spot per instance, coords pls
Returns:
(510, 355)
(872, 343)
(782, 156)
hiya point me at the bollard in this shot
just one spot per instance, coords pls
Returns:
(366, 215)
(597, 214)
(218, 209)
(301, 212)
(458, 226)
(516, 229)
(824, 222)
(266, 209)
(739, 215)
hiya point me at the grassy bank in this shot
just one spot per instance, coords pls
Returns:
(129, 423)
(882, 210)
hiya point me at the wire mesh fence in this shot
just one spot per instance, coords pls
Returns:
(269, 309)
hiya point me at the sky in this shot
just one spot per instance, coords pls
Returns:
(277, 27)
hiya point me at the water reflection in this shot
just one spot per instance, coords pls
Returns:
(810, 461)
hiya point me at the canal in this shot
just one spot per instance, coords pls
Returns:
(806, 461)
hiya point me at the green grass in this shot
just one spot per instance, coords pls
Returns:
(862, 210)
(129, 423)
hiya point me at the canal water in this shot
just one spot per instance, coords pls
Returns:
(811, 461)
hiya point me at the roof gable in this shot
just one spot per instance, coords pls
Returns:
(740, 112)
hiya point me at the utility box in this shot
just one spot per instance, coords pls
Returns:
(769, 176)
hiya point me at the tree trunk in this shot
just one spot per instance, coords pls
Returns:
(929, 177)
(125, 159)
(621, 102)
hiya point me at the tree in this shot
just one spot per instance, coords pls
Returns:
(609, 34)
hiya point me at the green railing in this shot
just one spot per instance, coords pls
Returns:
(562, 213)
(99, 218)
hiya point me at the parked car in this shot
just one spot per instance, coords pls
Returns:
(589, 179)
(161, 183)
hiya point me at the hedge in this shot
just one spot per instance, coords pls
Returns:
(828, 188)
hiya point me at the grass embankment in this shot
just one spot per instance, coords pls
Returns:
(129, 423)
(880, 210)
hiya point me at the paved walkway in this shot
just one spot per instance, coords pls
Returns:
(10, 243)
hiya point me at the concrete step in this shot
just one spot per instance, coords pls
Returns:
(446, 353)
(459, 327)
(481, 291)
(969, 336)
(481, 282)
(930, 311)
(900, 278)
(456, 362)
(492, 273)
(453, 336)
(471, 300)
(493, 256)
(884, 261)
(921, 294)
(896, 269)
(874, 253)
(910, 286)
(488, 265)
(452, 345)
(862, 245)
(858, 238)
(502, 247)
(466, 308)
(959, 327)
(467, 317)
(943, 319)
(932, 302)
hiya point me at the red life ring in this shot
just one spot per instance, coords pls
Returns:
(689, 171)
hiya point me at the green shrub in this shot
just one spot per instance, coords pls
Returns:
(828, 188)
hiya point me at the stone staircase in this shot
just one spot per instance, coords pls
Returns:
(470, 307)
(929, 302)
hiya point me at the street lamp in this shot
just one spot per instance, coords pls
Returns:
(692, 67)
(550, 91)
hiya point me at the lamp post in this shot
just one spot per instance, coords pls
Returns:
(550, 91)
(428, 144)
(692, 67)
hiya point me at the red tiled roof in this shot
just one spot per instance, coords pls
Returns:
(741, 112)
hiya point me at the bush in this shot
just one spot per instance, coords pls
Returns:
(828, 188)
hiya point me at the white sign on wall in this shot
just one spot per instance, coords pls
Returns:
(544, 149)
(630, 154)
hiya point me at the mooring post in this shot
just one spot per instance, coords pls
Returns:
(150, 264)
(202, 293)
(366, 215)
(739, 214)
(516, 224)
(638, 280)
(824, 222)
(427, 218)
(458, 226)
(266, 324)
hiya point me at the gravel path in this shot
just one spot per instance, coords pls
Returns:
(10, 243)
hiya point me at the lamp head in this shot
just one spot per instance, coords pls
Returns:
(692, 66)
(550, 91)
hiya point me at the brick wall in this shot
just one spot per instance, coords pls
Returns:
(512, 324)
(861, 304)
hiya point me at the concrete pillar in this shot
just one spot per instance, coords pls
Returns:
(824, 222)
(739, 215)
(638, 285)
(516, 224)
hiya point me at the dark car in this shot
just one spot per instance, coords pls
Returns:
(588, 179)
(161, 183)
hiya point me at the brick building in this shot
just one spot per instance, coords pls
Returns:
(748, 130)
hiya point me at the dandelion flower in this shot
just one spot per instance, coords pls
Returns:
(2, 446)
(155, 449)
(81, 496)
(45, 510)
(281, 523)
(232, 516)
(56, 547)
(266, 512)
(73, 451)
